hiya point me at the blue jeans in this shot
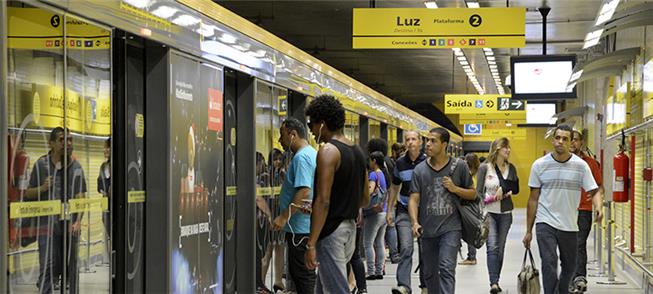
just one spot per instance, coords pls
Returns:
(391, 241)
(439, 262)
(333, 253)
(496, 243)
(550, 239)
(374, 235)
(51, 259)
(471, 252)
(405, 238)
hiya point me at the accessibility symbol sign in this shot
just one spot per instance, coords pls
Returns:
(473, 129)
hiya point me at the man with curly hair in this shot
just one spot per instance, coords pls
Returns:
(340, 190)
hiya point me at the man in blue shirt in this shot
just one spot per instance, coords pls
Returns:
(297, 192)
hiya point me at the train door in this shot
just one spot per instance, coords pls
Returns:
(231, 172)
(59, 100)
(130, 159)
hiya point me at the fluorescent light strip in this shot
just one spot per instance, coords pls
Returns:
(185, 20)
(606, 12)
(592, 38)
(165, 11)
(431, 4)
(473, 4)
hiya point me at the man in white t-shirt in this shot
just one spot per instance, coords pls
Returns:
(555, 181)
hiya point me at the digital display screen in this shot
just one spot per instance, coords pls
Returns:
(542, 77)
(537, 113)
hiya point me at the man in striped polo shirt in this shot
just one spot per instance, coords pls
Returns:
(555, 181)
(402, 176)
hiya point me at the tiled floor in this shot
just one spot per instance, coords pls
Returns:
(474, 279)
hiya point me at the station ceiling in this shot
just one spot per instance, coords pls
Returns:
(416, 78)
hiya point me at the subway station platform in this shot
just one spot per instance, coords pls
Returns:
(473, 279)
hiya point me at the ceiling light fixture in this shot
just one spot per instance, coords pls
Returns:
(473, 4)
(185, 20)
(592, 38)
(607, 10)
(137, 3)
(431, 4)
(165, 11)
(227, 38)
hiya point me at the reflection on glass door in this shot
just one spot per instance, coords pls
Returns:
(352, 126)
(392, 135)
(375, 128)
(264, 216)
(271, 109)
(88, 116)
(59, 118)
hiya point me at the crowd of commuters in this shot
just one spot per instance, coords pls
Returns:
(343, 214)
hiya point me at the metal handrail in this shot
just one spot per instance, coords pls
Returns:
(640, 127)
(637, 262)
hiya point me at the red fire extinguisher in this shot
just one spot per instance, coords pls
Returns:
(620, 164)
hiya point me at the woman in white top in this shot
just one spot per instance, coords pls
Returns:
(496, 183)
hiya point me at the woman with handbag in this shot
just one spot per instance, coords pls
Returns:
(496, 183)
(374, 223)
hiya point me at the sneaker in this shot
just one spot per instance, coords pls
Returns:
(494, 289)
(468, 262)
(579, 284)
(400, 290)
(362, 291)
(370, 277)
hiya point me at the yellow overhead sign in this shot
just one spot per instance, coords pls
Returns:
(420, 28)
(472, 104)
(506, 115)
(512, 133)
(35, 28)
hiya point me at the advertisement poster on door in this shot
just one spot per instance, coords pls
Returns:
(196, 172)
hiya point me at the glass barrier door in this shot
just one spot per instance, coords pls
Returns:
(87, 174)
(59, 119)
(264, 215)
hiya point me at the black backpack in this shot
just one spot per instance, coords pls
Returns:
(475, 223)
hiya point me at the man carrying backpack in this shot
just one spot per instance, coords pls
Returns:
(438, 184)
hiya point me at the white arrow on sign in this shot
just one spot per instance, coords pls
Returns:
(517, 104)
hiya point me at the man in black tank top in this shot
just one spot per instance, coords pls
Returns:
(340, 191)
